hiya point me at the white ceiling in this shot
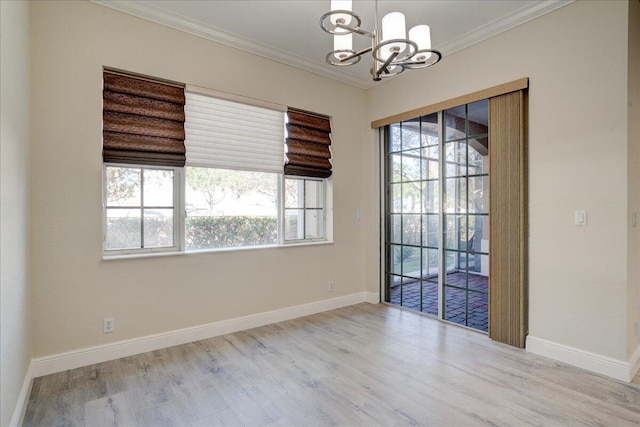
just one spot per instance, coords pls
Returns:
(288, 31)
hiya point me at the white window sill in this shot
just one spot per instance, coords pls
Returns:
(204, 251)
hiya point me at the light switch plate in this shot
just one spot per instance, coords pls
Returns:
(581, 218)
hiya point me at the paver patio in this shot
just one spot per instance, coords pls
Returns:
(408, 295)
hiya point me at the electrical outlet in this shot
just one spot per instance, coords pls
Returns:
(330, 286)
(108, 326)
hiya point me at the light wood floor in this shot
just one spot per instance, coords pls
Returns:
(364, 365)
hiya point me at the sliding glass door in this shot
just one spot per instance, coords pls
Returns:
(412, 218)
(436, 214)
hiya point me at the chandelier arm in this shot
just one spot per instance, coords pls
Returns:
(422, 64)
(383, 67)
(356, 54)
(357, 30)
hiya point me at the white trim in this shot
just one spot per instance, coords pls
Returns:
(634, 362)
(502, 24)
(102, 353)
(614, 368)
(153, 13)
(23, 398)
(372, 297)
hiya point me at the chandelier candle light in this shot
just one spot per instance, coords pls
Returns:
(391, 50)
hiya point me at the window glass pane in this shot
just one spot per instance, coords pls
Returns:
(394, 232)
(411, 230)
(478, 156)
(429, 129)
(396, 257)
(395, 165)
(395, 141)
(430, 197)
(478, 114)
(455, 197)
(158, 187)
(411, 258)
(395, 198)
(479, 194)
(456, 158)
(294, 224)
(293, 193)
(313, 194)
(450, 260)
(411, 197)
(313, 224)
(430, 263)
(478, 226)
(123, 229)
(454, 119)
(158, 228)
(430, 230)
(478, 310)
(410, 134)
(411, 165)
(123, 186)
(455, 305)
(430, 167)
(455, 232)
(457, 271)
(227, 208)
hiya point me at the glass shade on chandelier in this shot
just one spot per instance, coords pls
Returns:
(391, 49)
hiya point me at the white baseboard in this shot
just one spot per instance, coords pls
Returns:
(614, 368)
(634, 362)
(372, 297)
(23, 399)
(87, 356)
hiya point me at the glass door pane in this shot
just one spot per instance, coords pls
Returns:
(413, 204)
(466, 215)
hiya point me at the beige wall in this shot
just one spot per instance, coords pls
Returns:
(577, 157)
(74, 289)
(633, 163)
(15, 323)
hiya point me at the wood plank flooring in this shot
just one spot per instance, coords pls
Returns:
(363, 365)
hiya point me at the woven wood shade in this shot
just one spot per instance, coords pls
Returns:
(308, 144)
(142, 121)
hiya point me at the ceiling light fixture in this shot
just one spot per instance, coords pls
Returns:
(391, 50)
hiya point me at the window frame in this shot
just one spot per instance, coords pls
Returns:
(323, 194)
(179, 217)
(178, 212)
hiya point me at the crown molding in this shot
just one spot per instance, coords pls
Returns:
(153, 13)
(158, 15)
(502, 24)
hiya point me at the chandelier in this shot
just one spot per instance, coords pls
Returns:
(391, 50)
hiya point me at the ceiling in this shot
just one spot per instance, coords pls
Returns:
(288, 31)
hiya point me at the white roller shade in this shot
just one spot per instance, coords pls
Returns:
(230, 135)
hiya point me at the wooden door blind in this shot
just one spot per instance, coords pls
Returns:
(508, 289)
(308, 144)
(143, 121)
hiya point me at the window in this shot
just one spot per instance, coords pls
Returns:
(193, 169)
(229, 208)
(303, 209)
(140, 208)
